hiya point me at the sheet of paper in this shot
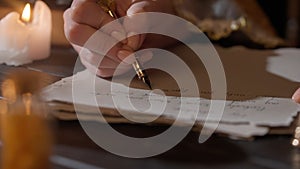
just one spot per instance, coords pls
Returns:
(234, 130)
(242, 130)
(265, 111)
(285, 63)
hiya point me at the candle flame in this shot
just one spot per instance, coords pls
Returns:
(26, 13)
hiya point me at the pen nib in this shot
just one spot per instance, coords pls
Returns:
(147, 81)
(141, 73)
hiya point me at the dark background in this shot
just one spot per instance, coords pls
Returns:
(280, 13)
(277, 12)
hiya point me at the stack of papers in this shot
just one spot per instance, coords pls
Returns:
(240, 118)
(82, 96)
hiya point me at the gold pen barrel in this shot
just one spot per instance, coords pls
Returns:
(138, 69)
(109, 7)
(141, 73)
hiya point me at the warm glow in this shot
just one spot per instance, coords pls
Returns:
(295, 142)
(3, 107)
(26, 13)
(27, 100)
(9, 91)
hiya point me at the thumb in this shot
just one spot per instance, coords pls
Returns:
(136, 24)
(138, 7)
(296, 96)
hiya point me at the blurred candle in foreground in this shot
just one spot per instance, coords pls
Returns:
(25, 133)
(26, 38)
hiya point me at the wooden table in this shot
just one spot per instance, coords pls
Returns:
(73, 148)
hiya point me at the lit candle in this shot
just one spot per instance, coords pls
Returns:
(26, 38)
(27, 139)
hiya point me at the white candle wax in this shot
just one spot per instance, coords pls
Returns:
(21, 43)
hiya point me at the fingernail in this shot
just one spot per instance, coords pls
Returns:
(141, 42)
(131, 34)
(133, 40)
(126, 56)
(118, 35)
(147, 56)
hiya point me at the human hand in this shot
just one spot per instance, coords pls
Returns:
(85, 17)
(296, 96)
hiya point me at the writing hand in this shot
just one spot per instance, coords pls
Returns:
(85, 17)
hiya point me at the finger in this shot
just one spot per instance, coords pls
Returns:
(91, 13)
(126, 56)
(135, 24)
(296, 96)
(104, 45)
(104, 72)
(122, 6)
(134, 40)
(67, 22)
(99, 60)
(96, 41)
(94, 58)
(145, 56)
(78, 34)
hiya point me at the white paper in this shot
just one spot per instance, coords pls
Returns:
(265, 111)
(234, 130)
(286, 64)
(242, 130)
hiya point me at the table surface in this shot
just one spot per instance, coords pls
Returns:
(74, 149)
